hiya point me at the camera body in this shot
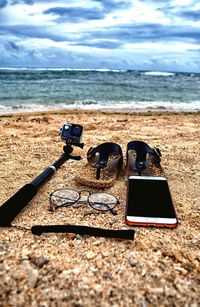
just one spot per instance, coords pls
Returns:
(71, 134)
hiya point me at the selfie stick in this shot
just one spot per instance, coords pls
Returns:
(13, 206)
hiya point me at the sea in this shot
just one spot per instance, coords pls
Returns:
(40, 89)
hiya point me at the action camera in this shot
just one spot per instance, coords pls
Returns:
(71, 134)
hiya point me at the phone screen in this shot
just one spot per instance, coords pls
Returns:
(149, 197)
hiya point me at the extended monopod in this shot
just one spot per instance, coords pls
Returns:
(71, 134)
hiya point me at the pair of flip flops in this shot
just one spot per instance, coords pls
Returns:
(105, 162)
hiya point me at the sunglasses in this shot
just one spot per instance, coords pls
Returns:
(99, 201)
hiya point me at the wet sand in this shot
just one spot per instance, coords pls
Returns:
(159, 268)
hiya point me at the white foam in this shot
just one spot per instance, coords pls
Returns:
(134, 105)
(159, 73)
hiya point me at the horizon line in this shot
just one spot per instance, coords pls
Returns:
(102, 69)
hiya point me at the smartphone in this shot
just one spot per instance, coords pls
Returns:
(149, 202)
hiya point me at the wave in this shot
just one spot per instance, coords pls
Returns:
(159, 73)
(94, 105)
(60, 69)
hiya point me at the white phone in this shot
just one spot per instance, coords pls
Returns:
(149, 202)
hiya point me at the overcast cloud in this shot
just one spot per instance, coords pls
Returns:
(115, 34)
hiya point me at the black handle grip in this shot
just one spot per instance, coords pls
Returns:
(13, 206)
(84, 230)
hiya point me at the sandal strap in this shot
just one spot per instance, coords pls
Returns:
(142, 149)
(104, 150)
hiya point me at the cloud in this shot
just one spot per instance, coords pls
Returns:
(28, 2)
(11, 46)
(25, 56)
(75, 14)
(32, 32)
(188, 10)
(144, 33)
(190, 14)
(100, 44)
(3, 3)
(78, 14)
(112, 38)
(112, 33)
(112, 5)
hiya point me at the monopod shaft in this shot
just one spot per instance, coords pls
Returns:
(13, 206)
(49, 171)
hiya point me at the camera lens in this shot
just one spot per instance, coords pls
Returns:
(76, 131)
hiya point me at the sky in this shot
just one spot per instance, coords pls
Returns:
(159, 35)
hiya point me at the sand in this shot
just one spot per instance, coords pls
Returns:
(159, 268)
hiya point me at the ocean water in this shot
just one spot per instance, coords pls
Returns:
(30, 89)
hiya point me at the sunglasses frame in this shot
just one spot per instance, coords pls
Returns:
(87, 201)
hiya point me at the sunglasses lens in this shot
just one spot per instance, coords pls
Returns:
(64, 197)
(102, 201)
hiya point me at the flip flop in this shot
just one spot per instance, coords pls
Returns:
(104, 164)
(142, 159)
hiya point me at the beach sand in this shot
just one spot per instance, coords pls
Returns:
(161, 267)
